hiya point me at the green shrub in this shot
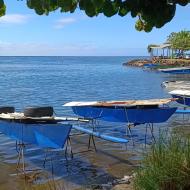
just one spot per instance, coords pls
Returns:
(166, 166)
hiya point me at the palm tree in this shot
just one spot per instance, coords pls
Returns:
(180, 41)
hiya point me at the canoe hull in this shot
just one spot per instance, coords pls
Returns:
(133, 115)
(42, 135)
(176, 70)
(185, 100)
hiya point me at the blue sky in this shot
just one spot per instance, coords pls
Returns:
(25, 33)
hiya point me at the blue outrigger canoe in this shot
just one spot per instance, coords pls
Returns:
(182, 95)
(137, 112)
(126, 115)
(46, 134)
(177, 70)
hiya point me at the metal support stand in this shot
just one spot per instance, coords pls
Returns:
(146, 135)
(51, 161)
(129, 133)
(94, 125)
(91, 138)
(151, 127)
(152, 131)
(68, 145)
(185, 119)
(20, 167)
(45, 158)
(20, 149)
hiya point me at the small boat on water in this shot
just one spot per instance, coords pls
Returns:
(173, 85)
(179, 90)
(182, 95)
(176, 70)
(130, 111)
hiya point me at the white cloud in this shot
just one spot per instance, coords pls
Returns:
(14, 19)
(61, 23)
(65, 49)
(35, 48)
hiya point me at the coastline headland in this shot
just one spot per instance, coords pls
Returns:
(160, 62)
(137, 62)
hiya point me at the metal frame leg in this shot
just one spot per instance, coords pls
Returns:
(20, 151)
(51, 161)
(68, 144)
(151, 127)
(19, 158)
(129, 133)
(152, 131)
(91, 137)
(45, 158)
(145, 139)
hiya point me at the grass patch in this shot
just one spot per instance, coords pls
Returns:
(184, 131)
(166, 166)
(50, 185)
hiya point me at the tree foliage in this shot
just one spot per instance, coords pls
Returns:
(150, 13)
(2, 8)
(180, 40)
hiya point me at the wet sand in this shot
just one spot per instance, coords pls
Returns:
(88, 169)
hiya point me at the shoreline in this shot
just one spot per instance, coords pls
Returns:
(137, 62)
(158, 62)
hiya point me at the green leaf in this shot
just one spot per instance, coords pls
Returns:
(110, 8)
(82, 4)
(99, 3)
(139, 25)
(67, 5)
(123, 9)
(134, 13)
(182, 2)
(155, 13)
(2, 8)
(1, 3)
(89, 8)
(147, 27)
(180, 40)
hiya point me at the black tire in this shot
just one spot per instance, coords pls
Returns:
(38, 111)
(7, 109)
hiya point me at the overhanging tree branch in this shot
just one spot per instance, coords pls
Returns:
(151, 13)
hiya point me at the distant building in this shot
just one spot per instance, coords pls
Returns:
(161, 51)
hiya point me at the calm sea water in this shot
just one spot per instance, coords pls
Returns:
(54, 81)
(27, 81)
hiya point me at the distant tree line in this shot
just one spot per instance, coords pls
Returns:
(180, 41)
